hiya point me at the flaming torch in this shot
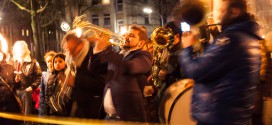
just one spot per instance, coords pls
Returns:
(17, 55)
(4, 47)
(4, 44)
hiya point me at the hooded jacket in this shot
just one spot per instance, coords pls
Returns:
(225, 75)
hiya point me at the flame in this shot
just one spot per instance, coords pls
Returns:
(4, 44)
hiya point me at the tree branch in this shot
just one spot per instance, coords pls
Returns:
(20, 6)
(52, 19)
(43, 8)
(85, 9)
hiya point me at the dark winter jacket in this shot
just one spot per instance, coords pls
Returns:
(90, 81)
(225, 75)
(31, 73)
(127, 86)
(43, 92)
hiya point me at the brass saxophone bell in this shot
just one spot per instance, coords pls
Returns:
(162, 37)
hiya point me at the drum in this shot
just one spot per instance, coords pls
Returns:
(175, 106)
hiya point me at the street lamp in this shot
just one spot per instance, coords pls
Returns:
(149, 11)
(65, 26)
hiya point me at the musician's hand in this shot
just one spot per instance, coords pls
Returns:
(148, 91)
(100, 45)
(29, 89)
(17, 78)
(149, 80)
(188, 39)
(162, 74)
(210, 20)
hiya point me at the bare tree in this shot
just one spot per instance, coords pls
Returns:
(85, 5)
(33, 7)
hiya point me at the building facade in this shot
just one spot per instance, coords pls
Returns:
(118, 15)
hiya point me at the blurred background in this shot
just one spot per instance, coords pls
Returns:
(42, 23)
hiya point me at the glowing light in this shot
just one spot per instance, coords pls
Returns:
(105, 2)
(123, 30)
(263, 36)
(27, 33)
(111, 40)
(78, 32)
(4, 44)
(148, 10)
(65, 26)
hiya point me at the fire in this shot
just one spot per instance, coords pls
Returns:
(4, 44)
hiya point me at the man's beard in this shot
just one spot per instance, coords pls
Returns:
(126, 45)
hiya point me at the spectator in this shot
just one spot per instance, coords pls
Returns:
(48, 58)
(28, 73)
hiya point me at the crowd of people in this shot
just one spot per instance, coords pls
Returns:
(92, 80)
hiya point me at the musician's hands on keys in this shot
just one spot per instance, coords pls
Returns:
(162, 74)
(148, 91)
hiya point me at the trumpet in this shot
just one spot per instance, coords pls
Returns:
(89, 31)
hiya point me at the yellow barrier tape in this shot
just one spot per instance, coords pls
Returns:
(64, 120)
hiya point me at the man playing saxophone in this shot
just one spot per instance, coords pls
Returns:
(169, 71)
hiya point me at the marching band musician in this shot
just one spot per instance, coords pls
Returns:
(95, 62)
(171, 73)
(123, 97)
(227, 72)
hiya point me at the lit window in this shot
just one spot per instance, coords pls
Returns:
(27, 32)
(23, 32)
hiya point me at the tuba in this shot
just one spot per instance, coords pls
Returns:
(162, 39)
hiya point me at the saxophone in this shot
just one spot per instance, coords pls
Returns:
(162, 39)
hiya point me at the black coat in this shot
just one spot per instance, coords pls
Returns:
(90, 82)
(127, 86)
(31, 74)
